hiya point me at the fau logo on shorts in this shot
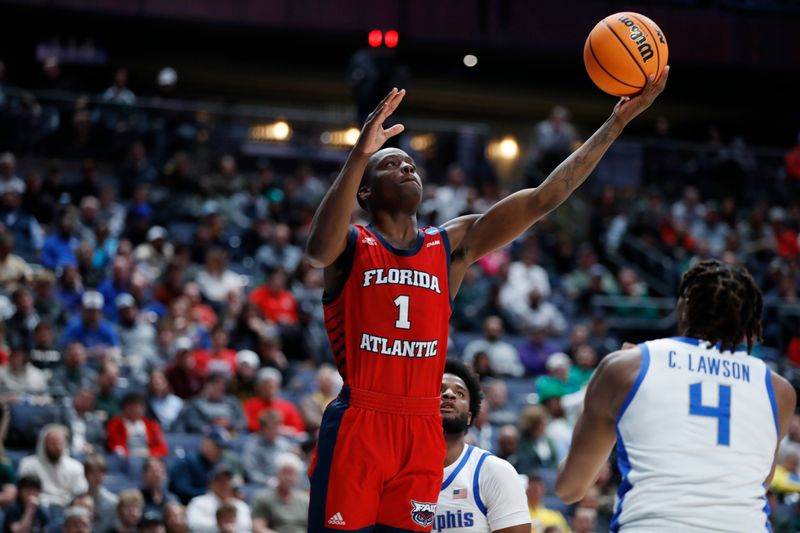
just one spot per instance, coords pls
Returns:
(423, 513)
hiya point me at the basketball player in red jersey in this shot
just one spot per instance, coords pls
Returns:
(388, 289)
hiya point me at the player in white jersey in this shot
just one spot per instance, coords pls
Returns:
(696, 419)
(480, 493)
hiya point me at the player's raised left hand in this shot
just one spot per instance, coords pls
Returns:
(630, 106)
(373, 136)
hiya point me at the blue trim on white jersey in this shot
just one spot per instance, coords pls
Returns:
(766, 509)
(687, 340)
(624, 465)
(455, 472)
(772, 402)
(642, 372)
(476, 489)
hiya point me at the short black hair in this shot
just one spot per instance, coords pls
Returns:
(723, 304)
(132, 398)
(29, 482)
(457, 368)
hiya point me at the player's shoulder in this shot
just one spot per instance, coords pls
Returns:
(493, 467)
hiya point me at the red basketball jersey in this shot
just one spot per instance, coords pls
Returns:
(388, 323)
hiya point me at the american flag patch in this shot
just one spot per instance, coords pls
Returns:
(459, 494)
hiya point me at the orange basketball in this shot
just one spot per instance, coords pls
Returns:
(622, 51)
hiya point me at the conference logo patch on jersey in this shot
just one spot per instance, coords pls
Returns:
(369, 241)
(423, 513)
(432, 231)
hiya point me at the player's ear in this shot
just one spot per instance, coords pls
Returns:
(364, 192)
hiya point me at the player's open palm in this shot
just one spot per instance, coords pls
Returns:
(629, 107)
(373, 135)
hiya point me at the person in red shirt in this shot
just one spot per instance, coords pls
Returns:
(275, 302)
(132, 434)
(268, 384)
(219, 358)
(184, 378)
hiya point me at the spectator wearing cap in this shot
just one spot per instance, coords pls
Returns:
(534, 352)
(131, 433)
(268, 386)
(261, 449)
(153, 256)
(285, 507)
(162, 404)
(46, 302)
(154, 486)
(14, 270)
(19, 376)
(26, 513)
(61, 476)
(503, 357)
(129, 512)
(91, 329)
(73, 374)
(243, 384)
(59, 248)
(182, 374)
(212, 408)
(201, 511)
(118, 283)
(152, 522)
(276, 303)
(189, 477)
(219, 358)
(137, 337)
(556, 382)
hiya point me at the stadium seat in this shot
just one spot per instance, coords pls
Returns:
(182, 443)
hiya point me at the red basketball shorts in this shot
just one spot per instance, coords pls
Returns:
(378, 464)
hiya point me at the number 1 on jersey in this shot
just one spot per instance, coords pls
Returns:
(402, 320)
(721, 412)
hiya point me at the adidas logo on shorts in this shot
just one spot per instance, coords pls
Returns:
(336, 520)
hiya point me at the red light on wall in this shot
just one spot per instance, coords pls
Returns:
(391, 39)
(375, 37)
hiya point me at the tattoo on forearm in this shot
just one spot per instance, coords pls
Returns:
(571, 173)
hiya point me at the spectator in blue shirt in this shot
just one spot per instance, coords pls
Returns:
(91, 329)
(190, 476)
(120, 283)
(59, 249)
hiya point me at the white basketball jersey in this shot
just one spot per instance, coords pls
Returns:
(695, 441)
(480, 493)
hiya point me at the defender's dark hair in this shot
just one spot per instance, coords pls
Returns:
(457, 368)
(723, 304)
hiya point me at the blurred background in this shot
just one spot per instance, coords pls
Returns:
(160, 162)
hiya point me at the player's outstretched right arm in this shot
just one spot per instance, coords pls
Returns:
(328, 236)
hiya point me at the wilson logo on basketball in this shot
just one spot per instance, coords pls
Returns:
(638, 36)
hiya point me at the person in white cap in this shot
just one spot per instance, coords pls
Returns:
(153, 256)
(91, 329)
(244, 380)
